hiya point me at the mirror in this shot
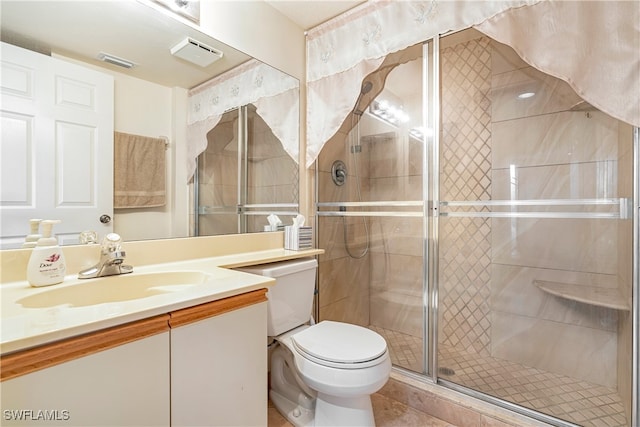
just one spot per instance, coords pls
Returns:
(143, 33)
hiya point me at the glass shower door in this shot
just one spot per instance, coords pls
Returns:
(371, 212)
(535, 228)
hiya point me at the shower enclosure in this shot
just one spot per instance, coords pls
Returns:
(243, 176)
(481, 221)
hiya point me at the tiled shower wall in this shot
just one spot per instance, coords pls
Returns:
(397, 272)
(465, 174)
(383, 288)
(344, 281)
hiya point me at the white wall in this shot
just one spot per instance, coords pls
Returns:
(145, 108)
(259, 30)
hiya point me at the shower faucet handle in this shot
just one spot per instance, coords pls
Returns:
(339, 172)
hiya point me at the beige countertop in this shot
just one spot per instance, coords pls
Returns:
(23, 327)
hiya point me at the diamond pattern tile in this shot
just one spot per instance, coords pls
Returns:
(405, 350)
(563, 397)
(570, 399)
(466, 175)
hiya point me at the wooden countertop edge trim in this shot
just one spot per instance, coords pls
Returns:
(47, 355)
(215, 308)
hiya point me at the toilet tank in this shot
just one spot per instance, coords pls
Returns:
(290, 300)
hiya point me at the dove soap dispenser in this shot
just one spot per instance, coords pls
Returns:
(46, 264)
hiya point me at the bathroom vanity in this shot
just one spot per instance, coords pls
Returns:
(191, 353)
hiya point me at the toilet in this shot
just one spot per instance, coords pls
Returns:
(321, 374)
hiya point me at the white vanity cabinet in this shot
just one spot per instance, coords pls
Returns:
(125, 385)
(219, 364)
(204, 365)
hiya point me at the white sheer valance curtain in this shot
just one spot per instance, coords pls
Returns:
(274, 94)
(592, 45)
(341, 52)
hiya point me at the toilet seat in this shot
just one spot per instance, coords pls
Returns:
(340, 345)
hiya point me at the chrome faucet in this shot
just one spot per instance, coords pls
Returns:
(111, 259)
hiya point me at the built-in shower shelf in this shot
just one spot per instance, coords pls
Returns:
(594, 295)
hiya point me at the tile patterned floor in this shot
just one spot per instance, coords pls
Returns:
(406, 350)
(566, 398)
(387, 413)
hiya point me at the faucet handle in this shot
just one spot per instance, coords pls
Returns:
(111, 242)
(88, 237)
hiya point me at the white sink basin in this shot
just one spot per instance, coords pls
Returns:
(115, 289)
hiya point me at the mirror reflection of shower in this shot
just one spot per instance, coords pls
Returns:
(354, 149)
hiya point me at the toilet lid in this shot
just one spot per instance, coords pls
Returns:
(340, 343)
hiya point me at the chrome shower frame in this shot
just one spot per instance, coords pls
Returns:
(635, 291)
(431, 112)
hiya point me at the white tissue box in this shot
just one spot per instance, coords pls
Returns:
(297, 238)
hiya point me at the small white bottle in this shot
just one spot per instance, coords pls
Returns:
(46, 264)
(32, 238)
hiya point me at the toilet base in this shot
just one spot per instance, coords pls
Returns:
(340, 411)
(330, 411)
(295, 413)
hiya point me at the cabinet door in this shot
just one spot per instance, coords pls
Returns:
(123, 386)
(219, 370)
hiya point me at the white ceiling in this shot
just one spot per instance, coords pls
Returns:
(126, 29)
(310, 13)
(132, 31)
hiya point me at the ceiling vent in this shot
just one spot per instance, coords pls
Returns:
(112, 59)
(195, 52)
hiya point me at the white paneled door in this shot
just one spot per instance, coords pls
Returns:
(56, 146)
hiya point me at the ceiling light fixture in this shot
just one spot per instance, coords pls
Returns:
(391, 114)
(525, 95)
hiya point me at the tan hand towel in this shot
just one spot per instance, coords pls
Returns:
(138, 171)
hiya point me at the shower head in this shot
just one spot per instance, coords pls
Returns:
(366, 88)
